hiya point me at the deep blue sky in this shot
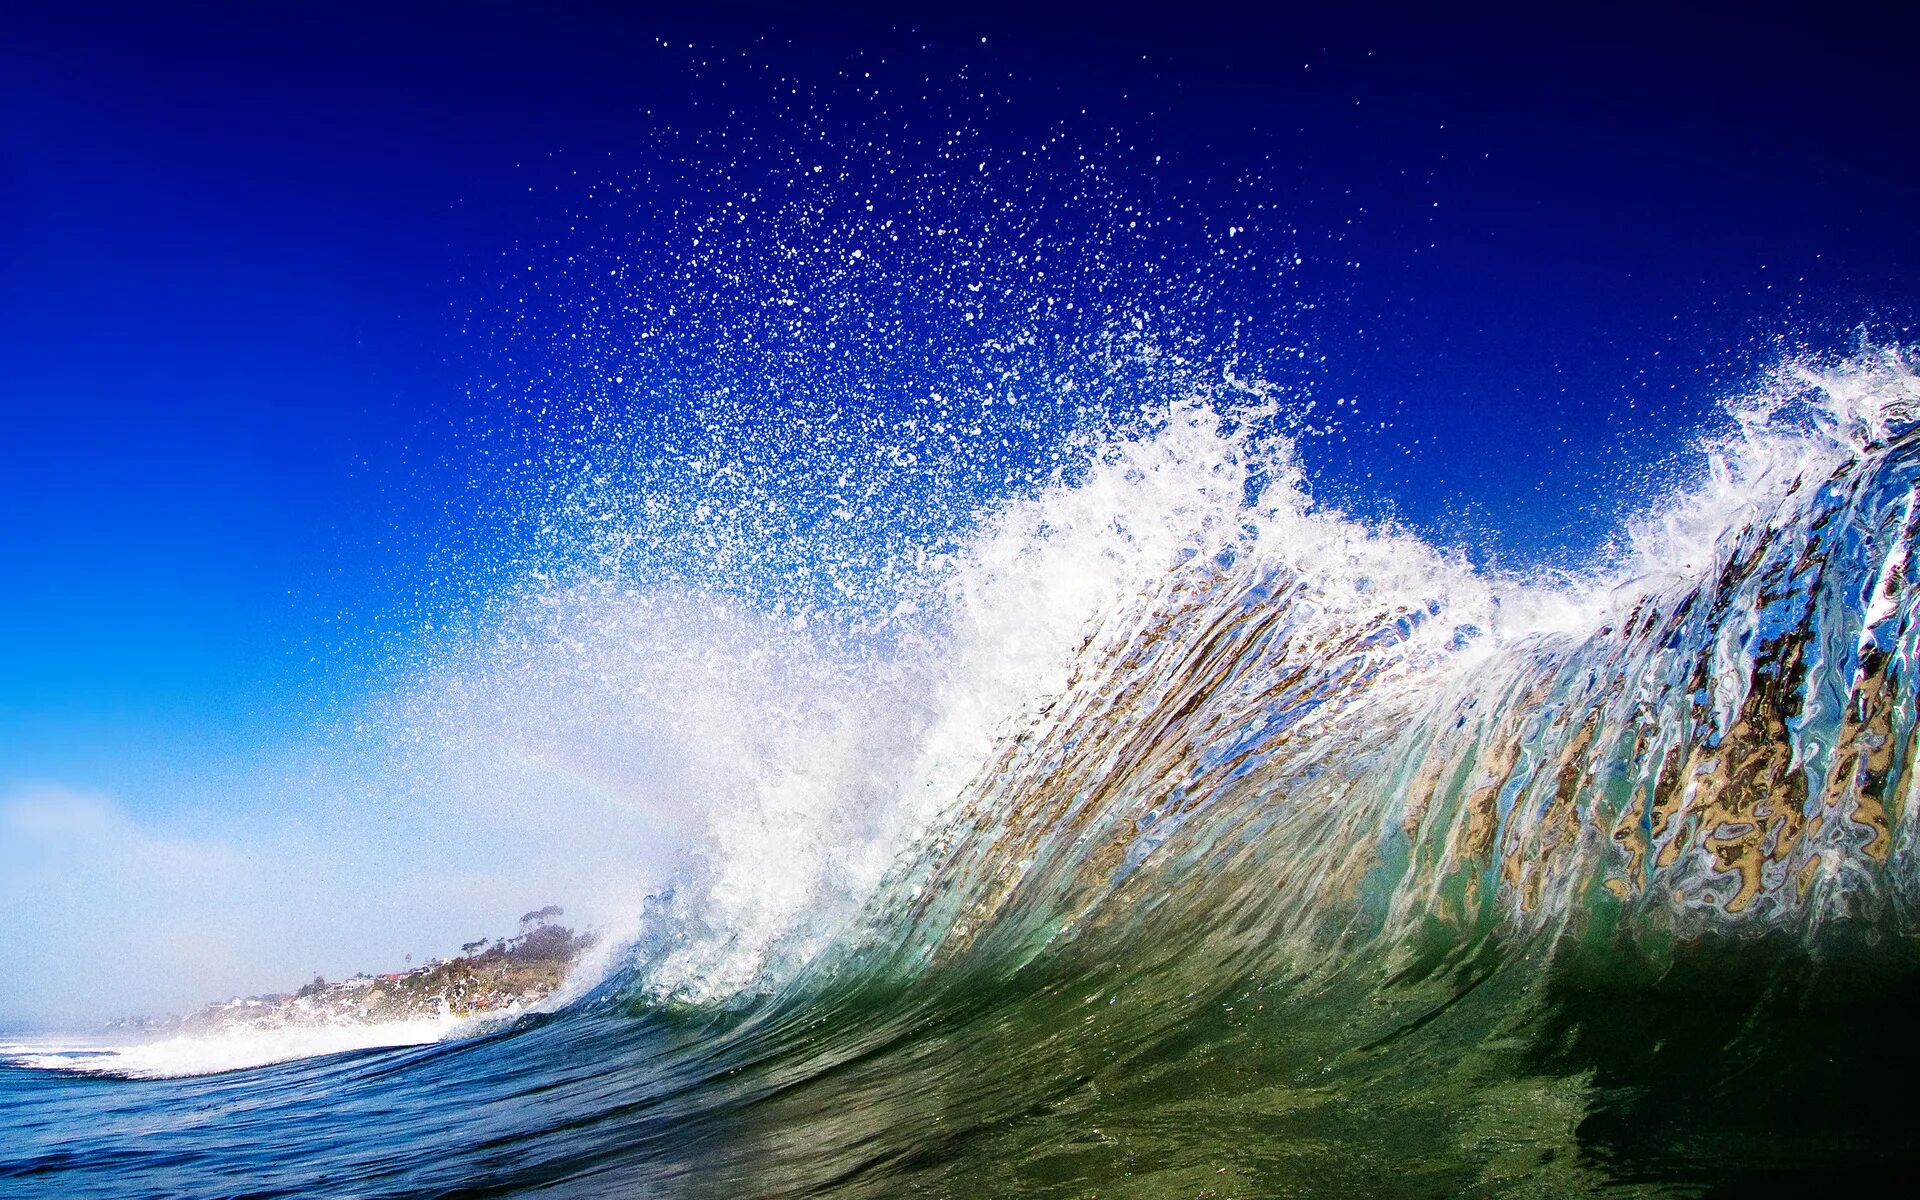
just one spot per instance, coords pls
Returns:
(239, 316)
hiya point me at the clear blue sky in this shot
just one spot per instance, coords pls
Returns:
(250, 269)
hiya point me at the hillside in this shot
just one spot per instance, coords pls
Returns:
(504, 975)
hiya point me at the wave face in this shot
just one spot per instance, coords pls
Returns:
(1234, 848)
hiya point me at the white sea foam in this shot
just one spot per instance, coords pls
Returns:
(231, 1049)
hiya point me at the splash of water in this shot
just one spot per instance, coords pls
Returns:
(1169, 680)
(1328, 721)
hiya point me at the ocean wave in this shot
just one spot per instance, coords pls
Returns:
(1176, 676)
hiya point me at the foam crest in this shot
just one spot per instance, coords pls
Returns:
(1805, 417)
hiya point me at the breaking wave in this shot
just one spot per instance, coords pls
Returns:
(1174, 689)
(1168, 831)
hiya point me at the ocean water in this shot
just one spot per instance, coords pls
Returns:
(1237, 849)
